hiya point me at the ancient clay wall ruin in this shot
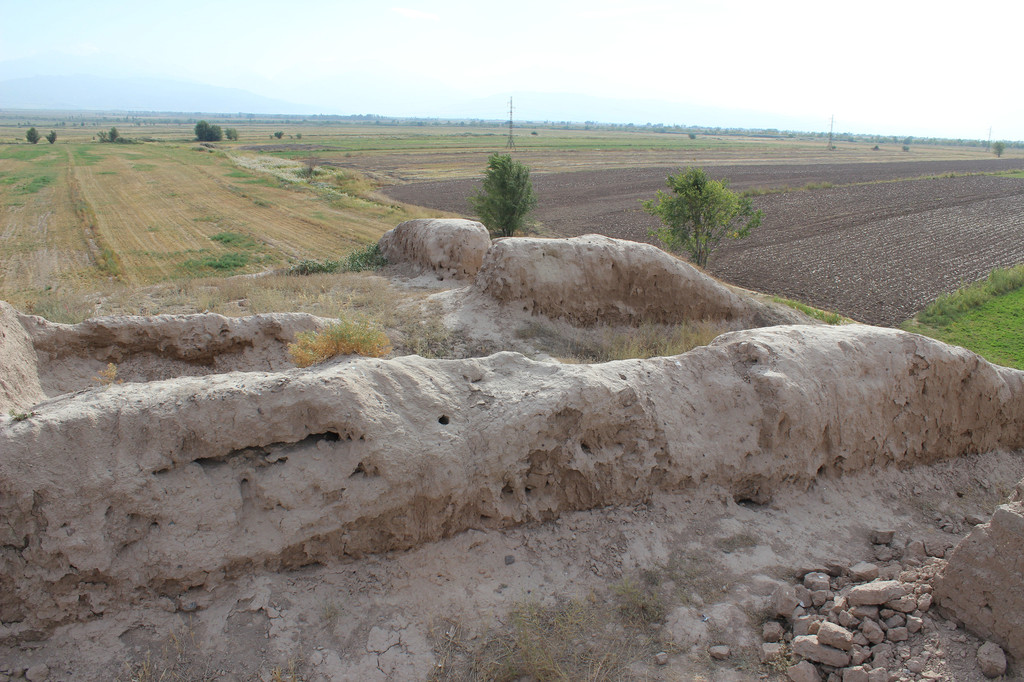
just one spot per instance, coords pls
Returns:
(19, 376)
(137, 491)
(593, 279)
(982, 586)
(447, 247)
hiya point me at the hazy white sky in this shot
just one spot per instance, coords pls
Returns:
(894, 67)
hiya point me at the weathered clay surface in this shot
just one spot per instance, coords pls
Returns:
(19, 378)
(983, 583)
(593, 279)
(139, 490)
(160, 347)
(449, 247)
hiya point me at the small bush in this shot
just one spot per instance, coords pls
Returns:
(369, 258)
(315, 267)
(347, 336)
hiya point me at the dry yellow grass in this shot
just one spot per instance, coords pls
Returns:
(347, 336)
(74, 217)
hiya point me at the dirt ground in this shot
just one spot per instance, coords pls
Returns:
(431, 612)
(875, 252)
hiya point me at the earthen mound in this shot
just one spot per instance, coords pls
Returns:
(140, 491)
(19, 377)
(447, 247)
(592, 279)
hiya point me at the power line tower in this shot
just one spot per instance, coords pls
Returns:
(511, 142)
(831, 126)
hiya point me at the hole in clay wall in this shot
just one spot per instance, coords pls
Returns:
(364, 470)
(443, 419)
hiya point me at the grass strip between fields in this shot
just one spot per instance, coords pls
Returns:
(986, 317)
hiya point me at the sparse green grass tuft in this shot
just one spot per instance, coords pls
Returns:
(639, 604)
(239, 241)
(826, 316)
(223, 262)
(737, 542)
(347, 336)
(35, 184)
(55, 308)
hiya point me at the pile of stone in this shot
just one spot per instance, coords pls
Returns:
(870, 622)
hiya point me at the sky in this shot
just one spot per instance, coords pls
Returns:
(896, 67)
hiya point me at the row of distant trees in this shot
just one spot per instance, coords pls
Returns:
(205, 132)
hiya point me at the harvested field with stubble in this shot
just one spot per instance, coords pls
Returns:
(876, 246)
(80, 217)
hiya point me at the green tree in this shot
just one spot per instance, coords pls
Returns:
(999, 148)
(506, 197)
(279, 134)
(206, 132)
(699, 213)
(32, 135)
(52, 136)
(111, 136)
(231, 133)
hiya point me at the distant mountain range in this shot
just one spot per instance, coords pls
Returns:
(352, 94)
(85, 92)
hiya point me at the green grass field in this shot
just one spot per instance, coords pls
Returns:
(995, 330)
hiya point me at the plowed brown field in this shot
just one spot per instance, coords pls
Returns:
(875, 252)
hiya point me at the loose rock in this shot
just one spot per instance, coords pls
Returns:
(37, 673)
(720, 652)
(863, 571)
(772, 631)
(991, 659)
(809, 647)
(874, 593)
(804, 671)
(836, 636)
